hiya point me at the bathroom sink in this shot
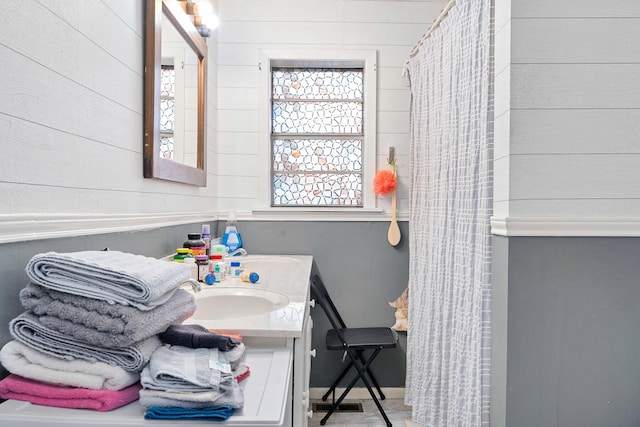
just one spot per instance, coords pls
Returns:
(233, 302)
(263, 262)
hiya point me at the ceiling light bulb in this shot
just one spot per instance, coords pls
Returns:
(211, 21)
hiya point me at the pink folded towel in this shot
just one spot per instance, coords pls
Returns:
(19, 388)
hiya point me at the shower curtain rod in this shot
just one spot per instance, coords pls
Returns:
(433, 26)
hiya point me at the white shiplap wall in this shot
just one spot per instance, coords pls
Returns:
(567, 118)
(71, 118)
(390, 27)
(71, 106)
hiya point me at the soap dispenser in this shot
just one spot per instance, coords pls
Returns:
(231, 237)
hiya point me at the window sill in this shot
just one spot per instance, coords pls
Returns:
(318, 214)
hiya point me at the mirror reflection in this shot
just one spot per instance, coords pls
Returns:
(178, 98)
(174, 110)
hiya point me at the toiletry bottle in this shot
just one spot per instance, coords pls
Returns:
(217, 267)
(181, 254)
(203, 266)
(249, 276)
(206, 236)
(231, 238)
(191, 262)
(195, 244)
(235, 268)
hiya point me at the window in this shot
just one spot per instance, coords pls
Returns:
(319, 138)
(167, 110)
(316, 136)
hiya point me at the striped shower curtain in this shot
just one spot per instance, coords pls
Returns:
(448, 355)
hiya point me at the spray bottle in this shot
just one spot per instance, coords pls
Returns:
(231, 237)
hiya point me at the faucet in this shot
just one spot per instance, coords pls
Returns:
(195, 285)
(240, 251)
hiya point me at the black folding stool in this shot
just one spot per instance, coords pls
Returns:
(353, 341)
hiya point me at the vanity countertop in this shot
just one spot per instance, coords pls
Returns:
(285, 274)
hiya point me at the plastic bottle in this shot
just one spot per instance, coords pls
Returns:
(203, 266)
(195, 244)
(235, 268)
(249, 276)
(191, 262)
(218, 267)
(181, 254)
(231, 237)
(206, 237)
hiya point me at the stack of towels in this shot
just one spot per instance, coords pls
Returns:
(194, 376)
(91, 324)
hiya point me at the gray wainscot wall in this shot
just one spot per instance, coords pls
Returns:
(566, 340)
(360, 269)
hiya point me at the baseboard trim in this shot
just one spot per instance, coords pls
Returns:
(357, 392)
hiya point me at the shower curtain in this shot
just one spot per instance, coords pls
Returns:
(448, 355)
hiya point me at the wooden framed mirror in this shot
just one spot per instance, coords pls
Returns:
(174, 96)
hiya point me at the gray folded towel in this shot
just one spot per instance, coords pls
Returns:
(186, 369)
(26, 329)
(201, 399)
(27, 362)
(99, 323)
(112, 276)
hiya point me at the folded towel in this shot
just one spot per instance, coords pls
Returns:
(18, 388)
(99, 323)
(112, 276)
(227, 334)
(216, 413)
(26, 362)
(186, 369)
(26, 329)
(202, 399)
(197, 336)
(237, 357)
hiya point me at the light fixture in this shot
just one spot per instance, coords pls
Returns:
(202, 15)
(204, 18)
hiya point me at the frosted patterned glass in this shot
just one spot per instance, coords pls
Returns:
(308, 83)
(168, 82)
(317, 117)
(166, 114)
(317, 190)
(317, 137)
(166, 147)
(304, 155)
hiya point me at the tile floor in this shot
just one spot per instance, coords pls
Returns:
(398, 413)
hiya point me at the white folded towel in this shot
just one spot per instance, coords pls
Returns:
(201, 399)
(22, 360)
(187, 369)
(116, 277)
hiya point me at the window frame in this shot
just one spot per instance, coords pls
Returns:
(365, 59)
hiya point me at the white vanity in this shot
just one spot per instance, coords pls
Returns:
(273, 313)
(273, 318)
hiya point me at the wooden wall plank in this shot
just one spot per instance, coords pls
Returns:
(575, 176)
(580, 41)
(575, 86)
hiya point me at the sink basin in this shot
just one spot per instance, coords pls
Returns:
(267, 262)
(226, 303)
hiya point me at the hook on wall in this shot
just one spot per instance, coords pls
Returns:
(392, 159)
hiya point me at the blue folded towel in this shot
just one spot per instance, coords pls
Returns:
(214, 413)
